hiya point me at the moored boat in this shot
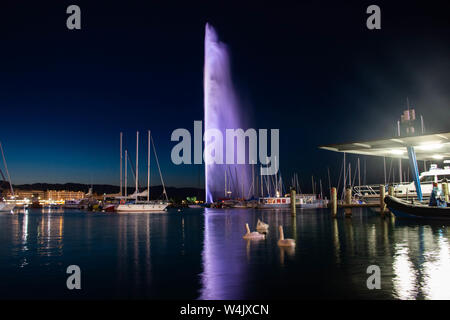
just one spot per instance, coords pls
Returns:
(143, 206)
(138, 205)
(274, 202)
(411, 209)
(72, 204)
(6, 207)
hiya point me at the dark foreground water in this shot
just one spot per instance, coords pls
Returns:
(200, 254)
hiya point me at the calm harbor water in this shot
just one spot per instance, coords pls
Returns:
(200, 254)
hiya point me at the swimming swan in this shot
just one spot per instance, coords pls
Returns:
(252, 235)
(261, 226)
(285, 242)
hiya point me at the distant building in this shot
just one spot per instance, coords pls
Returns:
(64, 195)
(27, 194)
(48, 195)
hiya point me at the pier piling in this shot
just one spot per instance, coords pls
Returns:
(293, 208)
(348, 201)
(382, 204)
(445, 190)
(333, 202)
(391, 191)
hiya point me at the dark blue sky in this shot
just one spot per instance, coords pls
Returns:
(311, 69)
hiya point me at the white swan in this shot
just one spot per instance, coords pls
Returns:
(285, 242)
(252, 235)
(261, 226)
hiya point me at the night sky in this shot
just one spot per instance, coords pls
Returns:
(310, 68)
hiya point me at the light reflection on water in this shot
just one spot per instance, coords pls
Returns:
(405, 277)
(422, 263)
(200, 254)
(436, 269)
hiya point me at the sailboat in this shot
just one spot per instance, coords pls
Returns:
(277, 201)
(5, 206)
(144, 205)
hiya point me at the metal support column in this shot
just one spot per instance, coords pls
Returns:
(415, 171)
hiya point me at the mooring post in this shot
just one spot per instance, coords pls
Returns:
(391, 191)
(293, 208)
(382, 195)
(348, 201)
(445, 190)
(333, 202)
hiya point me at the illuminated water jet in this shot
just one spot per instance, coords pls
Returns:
(221, 111)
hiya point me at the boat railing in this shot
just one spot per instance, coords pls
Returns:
(374, 189)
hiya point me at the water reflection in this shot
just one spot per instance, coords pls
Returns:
(134, 262)
(414, 259)
(50, 235)
(224, 258)
(436, 270)
(422, 262)
(336, 242)
(24, 247)
(202, 255)
(405, 276)
(286, 252)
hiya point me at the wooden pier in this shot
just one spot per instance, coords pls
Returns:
(348, 205)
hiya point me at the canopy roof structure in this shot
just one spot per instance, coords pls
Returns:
(427, 147)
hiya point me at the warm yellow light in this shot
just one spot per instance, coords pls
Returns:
(429, 146)
(396, 151)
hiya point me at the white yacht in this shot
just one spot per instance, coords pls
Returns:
(427, 178)
(6, 207)
(370, 193)
(143, 206)
(137, 205)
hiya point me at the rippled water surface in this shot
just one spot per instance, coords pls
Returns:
(200, 254)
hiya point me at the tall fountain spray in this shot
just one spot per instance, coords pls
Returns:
(222, 112)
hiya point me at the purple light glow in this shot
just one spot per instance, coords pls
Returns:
(225, 258)
(221, 110)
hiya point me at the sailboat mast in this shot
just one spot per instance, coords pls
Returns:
(121, 160)
(276, 178)
(261, 178)
(359, 173)
(225, 191)
(159, 169)
(345, 175)
(350, 174)
(329, 183)
(148, 168)
(253, 181)
(6, 169)
(321, 191)
(137, 164)
(126, 165)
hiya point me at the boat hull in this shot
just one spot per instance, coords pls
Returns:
(403, 209)
(273, 206)
(154, 207)
(110, 208)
